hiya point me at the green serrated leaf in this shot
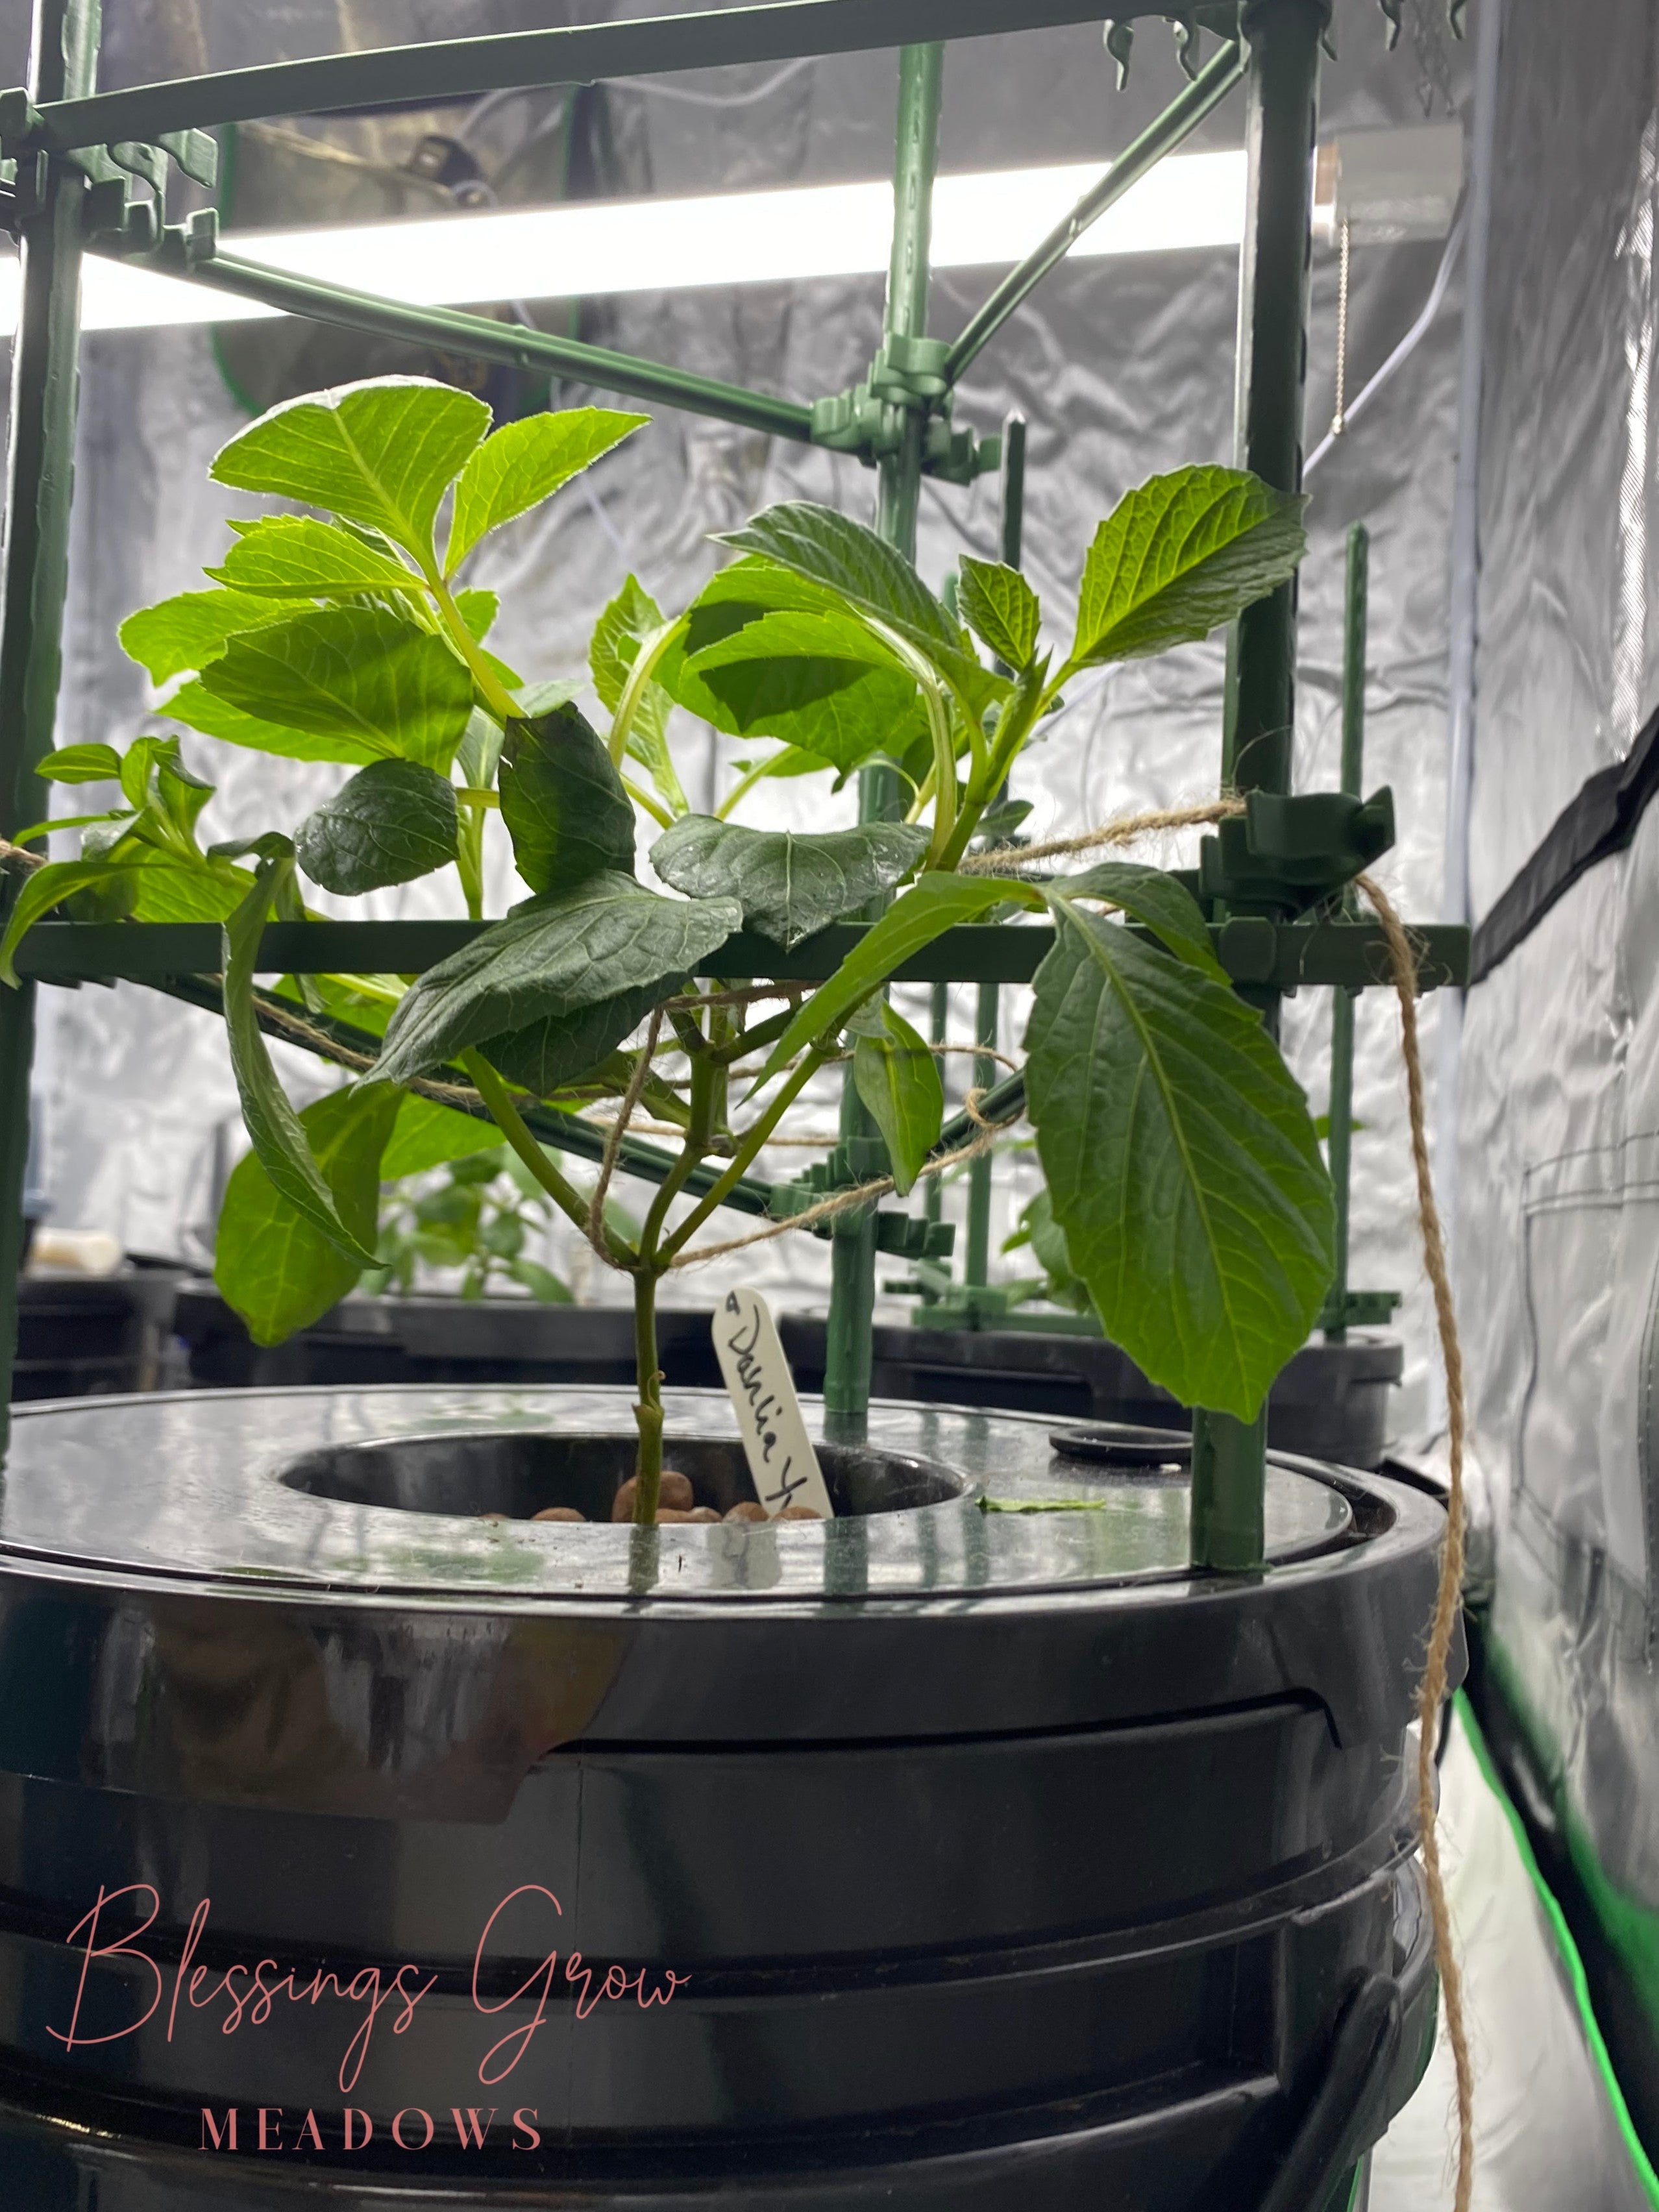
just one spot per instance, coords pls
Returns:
(271, 1262)
(381, 454)
(916, 917)
(1153, 898)
(898, 1079)
(428, 1135)
(524, 462)
(788, 885)
(271, 1122)
(184, 634)
(80, 764)
(1179, 556)
(551, 956)
(568, 1047)
(294, 556)
(1000, 607)
(392, 823)
(43, 889)
(197, 708)
(630, 619)
(1181, 1161)
(357, 675)
(564, 802)
(823, 682)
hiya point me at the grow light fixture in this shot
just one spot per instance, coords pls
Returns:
(984, 219)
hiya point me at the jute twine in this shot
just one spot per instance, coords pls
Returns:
(1008, 859)
(1431, 1695)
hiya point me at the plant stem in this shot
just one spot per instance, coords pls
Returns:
(508, 1118)
(491, 690)
(651, 651)
(468, 857)
(647, 1412)
(753, 1141)
(1018, 719)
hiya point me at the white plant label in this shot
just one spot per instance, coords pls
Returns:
(781, 1460)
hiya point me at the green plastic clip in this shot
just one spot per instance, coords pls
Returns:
(1288, 852)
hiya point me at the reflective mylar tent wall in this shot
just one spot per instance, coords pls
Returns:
(1123, 369)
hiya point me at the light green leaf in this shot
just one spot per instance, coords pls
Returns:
(428, 1135)
(552, 956)
(524, 462)
(80, 764)
(272, 1263)
(788, 885)
(271, 1122)
(1000, 607)
(630, 619)
(195, 706)
(184, 634)
(163, 892)
(381, 454)
(916, 917)
(898, 1079)
(1180, 556)
(541, 1283)
(1153, 898)
(1181, 1163)
(564, 802)
(43, 889)
(294, 556)
(390, 823)
(361, 676)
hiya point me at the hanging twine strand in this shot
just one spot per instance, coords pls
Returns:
(596, 1235)
(1449, 1595)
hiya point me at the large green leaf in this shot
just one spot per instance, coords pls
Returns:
(898, 1079)
(184, 634)
(294, 556)
(360, 675)
(547, 1055)
(391, 823)
(271, 1122)
(866, 572)
(821, 681)
(916, 917)
(551, 956)
(1180, 556)
(381, 454)
(1153, 898)
(43, 889)
(271, 1261)
(80, 764)
(999, 607)
(564, 802)
(1181, 1163)
(196, 707)
(788, 885)
(523, 464)
(165, 892)
(428, 1135)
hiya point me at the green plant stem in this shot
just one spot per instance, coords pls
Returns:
(659, 815)
(767, 1032)
(741, 790)
(469, 856)
(752, 1143)
(651, 651)
(506, 1116)
(494, 693)
(1019, 719)
(648, 1411)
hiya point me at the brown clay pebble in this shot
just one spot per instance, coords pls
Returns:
(799, 1513)
(672, 1513)
(676, 1490)
(747, 1508)
(558, 1513)
(703, 1513)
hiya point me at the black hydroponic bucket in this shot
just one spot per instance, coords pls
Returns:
(967, 1859)
(1330, 1402)
(80, 1338)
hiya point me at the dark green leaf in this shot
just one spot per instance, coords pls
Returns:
(184, 634)
(788, 885)
(550, 1054)
(381, 454)
(1000, 607)
(271, 1262)
(1181, 1163)
(916, 917)
(80, 764)
(391, 823)
(898, 1079)
(525, 463)
(564, 802)
(271, 1122)
(551, 956)
(1153, 898)
(294, 556)
(1180, 556)
(361, 676)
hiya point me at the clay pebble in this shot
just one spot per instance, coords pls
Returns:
(676, 1494)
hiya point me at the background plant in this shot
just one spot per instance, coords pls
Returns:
(1182, 1171)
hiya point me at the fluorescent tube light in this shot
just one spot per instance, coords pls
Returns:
(993, 218)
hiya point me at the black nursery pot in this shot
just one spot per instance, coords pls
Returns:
(930, 1858)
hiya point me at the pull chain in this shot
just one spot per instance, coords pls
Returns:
(1339, 419)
